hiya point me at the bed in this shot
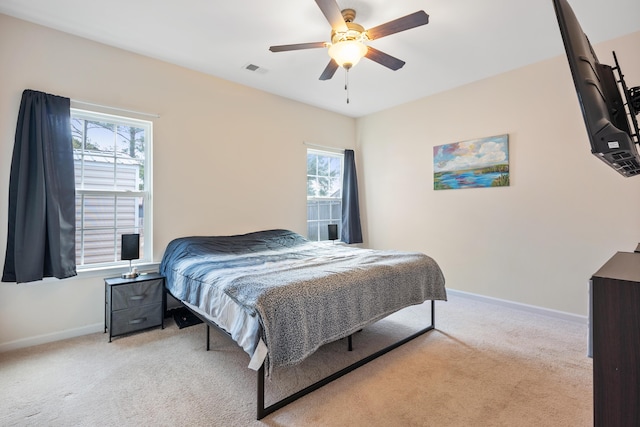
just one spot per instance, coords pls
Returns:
(281, 296)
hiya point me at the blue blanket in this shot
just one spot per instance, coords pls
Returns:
(304, 293)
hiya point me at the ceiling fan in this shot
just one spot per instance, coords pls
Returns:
(348, 38)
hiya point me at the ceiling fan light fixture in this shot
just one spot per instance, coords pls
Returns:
(348, 38)
(347, 53)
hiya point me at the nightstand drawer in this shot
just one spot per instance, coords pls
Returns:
(136, 294)
(137, 318)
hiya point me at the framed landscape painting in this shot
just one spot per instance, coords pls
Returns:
(476, 163)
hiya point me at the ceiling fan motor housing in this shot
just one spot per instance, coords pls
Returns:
(354, 32)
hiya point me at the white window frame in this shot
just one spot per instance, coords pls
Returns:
(320, 233)
(145, 194)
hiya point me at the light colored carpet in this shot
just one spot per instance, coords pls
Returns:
(485, 365)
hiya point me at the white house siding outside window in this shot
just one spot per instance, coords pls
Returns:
(324, 192)
(112, 161)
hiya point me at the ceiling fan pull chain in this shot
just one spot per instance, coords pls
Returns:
(346, 82)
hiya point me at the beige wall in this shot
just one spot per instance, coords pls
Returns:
(227, 159)
(537, 241)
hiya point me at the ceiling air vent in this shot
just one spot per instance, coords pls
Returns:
(255, 68)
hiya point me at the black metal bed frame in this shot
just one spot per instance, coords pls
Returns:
(263, 411)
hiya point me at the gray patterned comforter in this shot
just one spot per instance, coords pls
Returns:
(304, 293)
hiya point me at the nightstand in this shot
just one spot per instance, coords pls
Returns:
(133, 304)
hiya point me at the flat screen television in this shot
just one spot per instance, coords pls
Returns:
(609, 108)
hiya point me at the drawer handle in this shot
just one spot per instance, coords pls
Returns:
(137, 321)
(136, 297)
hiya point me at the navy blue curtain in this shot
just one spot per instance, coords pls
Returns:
(351, 229)
(41, 232)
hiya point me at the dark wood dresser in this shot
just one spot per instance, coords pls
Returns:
(616, 341)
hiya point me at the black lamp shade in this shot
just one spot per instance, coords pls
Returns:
(333, 231)
(130, 247)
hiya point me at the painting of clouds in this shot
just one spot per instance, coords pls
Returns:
(476, 163)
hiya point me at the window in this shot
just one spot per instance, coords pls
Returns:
(112, 161)
(324, 193)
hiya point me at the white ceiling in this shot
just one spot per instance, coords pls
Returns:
(465, 40)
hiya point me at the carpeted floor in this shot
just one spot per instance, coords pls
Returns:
(485, 365)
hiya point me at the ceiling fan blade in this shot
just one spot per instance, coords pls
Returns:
(384, 59)
(413, 20)
(299, 46)
(329, 71)
(332, 12)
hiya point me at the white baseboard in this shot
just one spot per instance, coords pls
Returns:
(54, 336)
(561, 315)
